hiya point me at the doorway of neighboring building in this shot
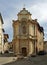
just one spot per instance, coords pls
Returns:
(24, 51)
(36, 50)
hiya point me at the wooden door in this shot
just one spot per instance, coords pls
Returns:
(24, 51)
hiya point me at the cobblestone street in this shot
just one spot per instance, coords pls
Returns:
(38, 60)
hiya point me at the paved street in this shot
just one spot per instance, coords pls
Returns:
(4, 60)
(38, 60)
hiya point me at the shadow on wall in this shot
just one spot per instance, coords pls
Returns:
(7, 55)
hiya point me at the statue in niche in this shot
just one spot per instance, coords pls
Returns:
(23, 24)
(24, 29)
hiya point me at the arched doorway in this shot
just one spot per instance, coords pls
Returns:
(24, 51)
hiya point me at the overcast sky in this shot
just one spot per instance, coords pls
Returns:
(10, 8)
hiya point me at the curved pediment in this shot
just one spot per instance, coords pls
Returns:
(24, 11)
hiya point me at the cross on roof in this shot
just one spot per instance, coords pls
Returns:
(24, 6)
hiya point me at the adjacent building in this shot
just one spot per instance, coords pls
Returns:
(45, 46)
(1, 35)
(40, 38)
(10, 46)
(6, 44)
(28, 35)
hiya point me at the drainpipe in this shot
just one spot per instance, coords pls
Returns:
(34, 41)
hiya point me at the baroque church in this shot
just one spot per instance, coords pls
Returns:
(28, 35)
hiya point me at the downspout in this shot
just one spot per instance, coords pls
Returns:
(34, 41)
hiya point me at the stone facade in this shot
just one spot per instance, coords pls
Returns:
(28, 35)
(45, 46)
(10, 46)
(40, 39)
(1, 35)
(6, 45)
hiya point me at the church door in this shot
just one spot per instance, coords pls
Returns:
(24, 51)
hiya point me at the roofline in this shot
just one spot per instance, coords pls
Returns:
(1, 18)
(22, 10)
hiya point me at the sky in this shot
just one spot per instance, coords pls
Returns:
(10, 8)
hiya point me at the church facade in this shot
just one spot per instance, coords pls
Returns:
(28, 35)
